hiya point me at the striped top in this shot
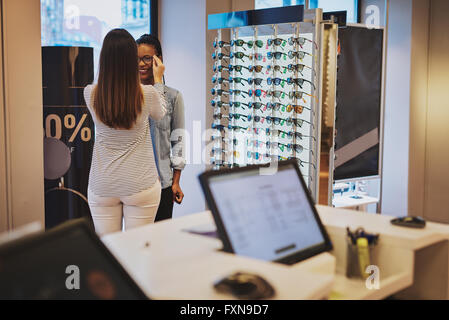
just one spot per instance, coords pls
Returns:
(123, 160)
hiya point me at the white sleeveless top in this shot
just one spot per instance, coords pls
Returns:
(123, 159)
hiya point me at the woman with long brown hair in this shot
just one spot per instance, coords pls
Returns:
(123, 180)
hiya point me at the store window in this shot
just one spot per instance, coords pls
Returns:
(84, 23)
(327, 5)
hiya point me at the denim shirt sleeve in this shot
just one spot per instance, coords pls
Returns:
(177, 135)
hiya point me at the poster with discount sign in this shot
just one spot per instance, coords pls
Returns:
(68, 132)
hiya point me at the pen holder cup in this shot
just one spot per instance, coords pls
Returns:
(352, 260)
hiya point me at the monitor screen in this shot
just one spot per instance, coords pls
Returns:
(267, 217)
(68, 263)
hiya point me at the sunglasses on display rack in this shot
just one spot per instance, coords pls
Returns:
(218, 150)
(220, 116)
(256, 105)
(257, 68)
(257, 155)
(298, 94)
(220, 56)
(288, 134)
(219, 80)
(279, 121)
(281, 146)
(238, 68)
(277, 55)
(237, 80)
(298, 54)
(219, 104)
(220, 127)
(299, 82)
(299, 122)
(250, 44)
(258, 144)
(281, 158)
(238, 93)
(277, 94)
(297, 67)
(220, 44)
(276, 42)
(214, 138)
(238, 128)
(239, 55)
(257, 93)
(256, 118)
(239, 116)
(276, 68)
(237, 104)
(300, 41)
(296, 147)
(256, 81)
(256, 56)
(220, 68)
(219, 92)
(298, 108)
(276, 81)
(276, 106)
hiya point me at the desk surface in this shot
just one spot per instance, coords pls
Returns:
(181, 265)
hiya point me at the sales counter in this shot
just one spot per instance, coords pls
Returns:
(168, 261)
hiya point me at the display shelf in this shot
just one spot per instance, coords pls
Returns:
(266, 95)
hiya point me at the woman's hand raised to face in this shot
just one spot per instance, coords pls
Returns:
(158, 69)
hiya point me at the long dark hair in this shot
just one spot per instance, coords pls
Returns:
(118, 97)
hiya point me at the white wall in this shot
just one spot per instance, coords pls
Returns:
(182, 26)
(397, 110)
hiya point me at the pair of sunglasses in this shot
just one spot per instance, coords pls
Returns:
(297, 67)
(237, 104)
(220, 68)
(250, 44)
(219, 104)
(300, 41)
(239, 116)
(277, 94)
(276, 42)
(257, 68)
(219, 80)
(276, 81)
(238, 68)
(239, 55)
(256, 81)
(289, 134)
(256, 105)
(298, 54)
(277, 55)
(220, 116)
(220, 44)
(220, 56)
(257, 92)
(299, 82)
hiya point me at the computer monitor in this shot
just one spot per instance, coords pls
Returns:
(265, 216)
(67, 262)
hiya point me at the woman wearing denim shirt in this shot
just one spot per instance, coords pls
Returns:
(167, 134)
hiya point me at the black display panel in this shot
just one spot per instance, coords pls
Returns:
(359, 95)
(42, 267)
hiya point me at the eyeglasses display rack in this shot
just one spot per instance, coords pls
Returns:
(266, 93)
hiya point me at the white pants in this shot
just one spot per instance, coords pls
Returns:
(137, 210)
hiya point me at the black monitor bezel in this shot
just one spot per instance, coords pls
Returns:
(221, 230)
(55, 233)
